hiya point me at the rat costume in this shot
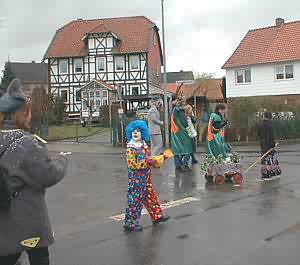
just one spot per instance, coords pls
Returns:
(140, 186)
(26, 172)
(215, 135)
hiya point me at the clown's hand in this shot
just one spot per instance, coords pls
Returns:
(150, 162)
(158, 161)
(168, 154)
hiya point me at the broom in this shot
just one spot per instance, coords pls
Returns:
(261, 158)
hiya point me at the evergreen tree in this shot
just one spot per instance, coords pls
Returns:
(7, 77)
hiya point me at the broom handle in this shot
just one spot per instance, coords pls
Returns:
(258, 160)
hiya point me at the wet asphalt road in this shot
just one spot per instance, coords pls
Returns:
(257, 224)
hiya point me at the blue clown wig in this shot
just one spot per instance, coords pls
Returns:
(140, 125)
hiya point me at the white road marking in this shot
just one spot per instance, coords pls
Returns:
(164, 206)
(269, 179)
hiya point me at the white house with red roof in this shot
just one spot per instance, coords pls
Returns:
(117, 52)
(267, 62)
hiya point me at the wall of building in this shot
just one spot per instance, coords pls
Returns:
(263, 82)
(29, 87)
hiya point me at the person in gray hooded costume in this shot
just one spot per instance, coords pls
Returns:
(29, 171)
(155, 124)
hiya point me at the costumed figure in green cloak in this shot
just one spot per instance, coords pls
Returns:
(216, 132)
(181, 142)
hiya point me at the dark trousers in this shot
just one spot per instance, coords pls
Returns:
(37, 256)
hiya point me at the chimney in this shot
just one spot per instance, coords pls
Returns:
(279, 22)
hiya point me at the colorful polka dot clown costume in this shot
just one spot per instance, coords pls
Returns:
(140, 186)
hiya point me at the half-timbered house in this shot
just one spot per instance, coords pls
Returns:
(120, 52)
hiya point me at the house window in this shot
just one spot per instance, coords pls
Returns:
(98, 93)
(92, 104)
(104, 97)
(78, 95)
(119, 63)
(243, 76)
(97, 104)
(92, 95)
(284, 72)
(63, 66)
(78, 65)
(134, 91)
(64, 95)
(134, 62)
(101, 64)
(84, 105)
(104, 93)
(85, 95)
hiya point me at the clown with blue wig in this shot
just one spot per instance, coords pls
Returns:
(140, 186)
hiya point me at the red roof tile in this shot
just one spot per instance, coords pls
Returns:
(134, 33)
(267, 45)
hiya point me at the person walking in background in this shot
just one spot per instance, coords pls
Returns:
(270, 165)
(26, 171)
(181, 143)
(155, 124)
(190, 113)
(216, 132)
(140, 187)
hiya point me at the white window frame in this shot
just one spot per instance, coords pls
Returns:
(74, 66)
(97, 64)
(105, 92)
(116, 61)
(104, 97)
(59, 66)
(131, 59)
(284, 72)
(84, 100)
(64, 90)
(244, 76)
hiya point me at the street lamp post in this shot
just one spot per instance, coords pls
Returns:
(166, 107)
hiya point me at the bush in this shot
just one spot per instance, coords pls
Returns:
(245, 116)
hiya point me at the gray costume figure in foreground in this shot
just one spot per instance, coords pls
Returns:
(155, 124)
(29, 170)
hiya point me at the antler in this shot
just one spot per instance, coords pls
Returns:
(179, 92)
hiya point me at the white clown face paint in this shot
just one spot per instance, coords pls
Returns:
(137, 135)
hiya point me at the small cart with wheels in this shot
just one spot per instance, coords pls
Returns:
(220, 173)
(223, 170)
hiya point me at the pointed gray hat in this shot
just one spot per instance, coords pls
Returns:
(14, 98)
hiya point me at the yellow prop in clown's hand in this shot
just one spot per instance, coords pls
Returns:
(159, 160)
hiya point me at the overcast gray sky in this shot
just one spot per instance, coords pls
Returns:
(200, 34)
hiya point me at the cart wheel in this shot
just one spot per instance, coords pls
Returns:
(209, 178)
(219, 180)
(228, 178)
(237, 179)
